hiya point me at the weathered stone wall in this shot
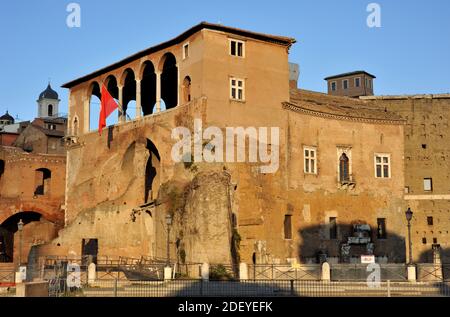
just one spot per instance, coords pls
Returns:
(427, 155)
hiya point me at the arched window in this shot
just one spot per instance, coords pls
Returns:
(187, 89)
(50, 110)
(344, 174)
(42, 181)
(169, 80)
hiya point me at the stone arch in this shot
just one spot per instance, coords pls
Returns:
(31, 220)
(187, 89)
(94, 97)
(148, 87)
(113, 88)
(169, 80)
(128, 81)
(152, 172)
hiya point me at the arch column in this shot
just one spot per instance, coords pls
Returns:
(138, 99)
(86, 119)
(158, 91)
(121, 113)
(178, 85)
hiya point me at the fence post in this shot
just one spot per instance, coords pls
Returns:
(326, 273)
(115, 287)
(243, 271)
(388, 288)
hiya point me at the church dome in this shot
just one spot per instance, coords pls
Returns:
(48, 93)
(7, 117)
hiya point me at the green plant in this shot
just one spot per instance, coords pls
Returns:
(219, 272)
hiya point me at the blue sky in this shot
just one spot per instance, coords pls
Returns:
(409, 54)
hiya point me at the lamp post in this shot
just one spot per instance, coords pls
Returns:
(20, 228)
(409, 215)
(168, 223)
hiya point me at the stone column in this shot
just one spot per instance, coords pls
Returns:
(92, 273)
(326, 272)
(205, 272)
(412, 273)
(158, 91)
(243, 271)
(121, 113)
(178, 85)
(138, 99)
(167, 273)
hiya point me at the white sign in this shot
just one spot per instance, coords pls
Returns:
(367, 259)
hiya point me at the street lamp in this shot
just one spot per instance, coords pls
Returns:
(409, 215)
(168, 223)
(20, 228)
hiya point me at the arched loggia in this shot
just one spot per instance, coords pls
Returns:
(148, 88)
(94, 95)
(169, 80)
(113, 89)
(129, 90)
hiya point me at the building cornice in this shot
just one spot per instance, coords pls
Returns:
(334, 116)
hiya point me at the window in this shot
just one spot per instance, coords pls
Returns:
(370, 83)
(310, 160)
(50, 110)
(435, 240)
(357, 82)
(344, 175)
(185, 50)
(381, 228)
(237, 89)
(345, 84)
(382, 165)
(288, 226)
(427, 184)
(333, 228)
(406, 189)
(424, 240)
(42, 181)
(333, 86)
(237, 48)
(430, 221)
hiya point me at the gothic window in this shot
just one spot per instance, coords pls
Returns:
(344, 174)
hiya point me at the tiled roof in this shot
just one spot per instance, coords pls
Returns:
(337, 107)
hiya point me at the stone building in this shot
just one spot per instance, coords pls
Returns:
(353, 84)
(336, 191)
(426, 156)
(32, 185)
(427, 169)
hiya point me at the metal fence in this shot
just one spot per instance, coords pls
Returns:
(286, 272)
(359, 272)
(247, 288)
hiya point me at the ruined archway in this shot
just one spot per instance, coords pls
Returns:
(169, 80)
(15, 245)
(94, 105)
(152, 172)
(148, 88)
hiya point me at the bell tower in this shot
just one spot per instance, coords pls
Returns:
(48, 103)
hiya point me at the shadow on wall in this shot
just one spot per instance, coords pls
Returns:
(428, 256)
(346, 242)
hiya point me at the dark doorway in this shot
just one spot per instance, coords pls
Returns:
(152, 170)
(169, 81)
(89, 251)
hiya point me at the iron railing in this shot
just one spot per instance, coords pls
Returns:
(247, 288)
